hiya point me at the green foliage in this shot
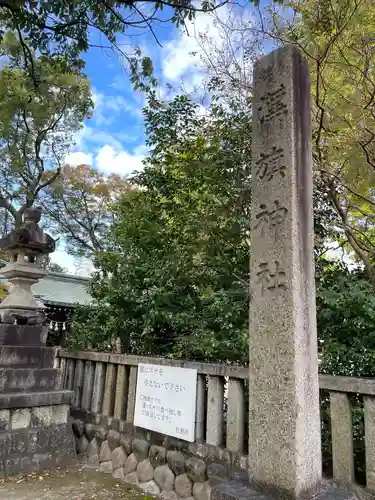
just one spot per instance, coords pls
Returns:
(346, 322)
(64, 27)
(78, 207)
(40, 112)
(68, 28)
(332, 36)
(346, 330)
(178, 284)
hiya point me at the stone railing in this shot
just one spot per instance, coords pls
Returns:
(104, 386)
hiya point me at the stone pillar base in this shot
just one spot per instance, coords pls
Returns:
(37, 438)
(35, 428)
(241, 490)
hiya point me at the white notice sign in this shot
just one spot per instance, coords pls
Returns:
(165, 400)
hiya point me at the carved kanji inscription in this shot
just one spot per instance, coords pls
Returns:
(270, 218)
(266, 75)
(270, 277)
(270, 164)
(272, 105)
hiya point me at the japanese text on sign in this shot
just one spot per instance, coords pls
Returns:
(165, 400)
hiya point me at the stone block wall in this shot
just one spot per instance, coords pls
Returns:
(34, 439)
(104, 386)
(160, 465)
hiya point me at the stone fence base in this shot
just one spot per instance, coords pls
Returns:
(159, 465)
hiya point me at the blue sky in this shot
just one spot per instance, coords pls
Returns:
(113, 139)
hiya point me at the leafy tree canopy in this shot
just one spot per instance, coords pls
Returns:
(66, 28)
(78, 206)
(178, 283)
(37, 122)
(346, 321)
(334, 37)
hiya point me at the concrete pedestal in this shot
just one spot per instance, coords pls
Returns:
(35, 430)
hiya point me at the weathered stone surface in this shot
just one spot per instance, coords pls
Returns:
(131, 464)
(217, 474)
(140, 449)
(342, 440)
(173, 443)
(93, 461)
(60, 414)
(105, 452)
(241, 490)
(20, 418)
(35, 450)
(100, 433)
(131, 393)
(126, 443)
(82, 458)
(78, 427)
(42, 417)
(119, 474)
(23, 335)
(82, 444)
(235, 415)
(164, 477)
(239, 475)
(131, 478)
(202, 491)
(215, 416)
(32, 399)
(150, 487)
(145, 471)
(90, 431)
(26, 356)
(176, 461)
(157, 455)
(93, 448)
(118, 457)
(106, 467)
(169, 495)
(98, 388)
(196, 469)
(183, 485)
(121, 392)
(283, 373)
(113, 438)
(87, 390)
(369, 418)
(4, 420)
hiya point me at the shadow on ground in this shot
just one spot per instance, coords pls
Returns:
(67, 485)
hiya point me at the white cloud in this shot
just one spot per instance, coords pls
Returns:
(213, 44)
(109, 160)
(79, 267)
(92, 138)
(78, 158)
(182, 59)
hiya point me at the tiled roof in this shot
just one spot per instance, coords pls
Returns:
(61, 289)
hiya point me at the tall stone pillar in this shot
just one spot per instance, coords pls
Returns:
(284, 426)
(284, 421)
(35, 433)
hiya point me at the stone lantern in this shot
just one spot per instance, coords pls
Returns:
(25, 248)
(35, 432)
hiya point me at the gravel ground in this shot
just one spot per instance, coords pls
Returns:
(67, 485)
